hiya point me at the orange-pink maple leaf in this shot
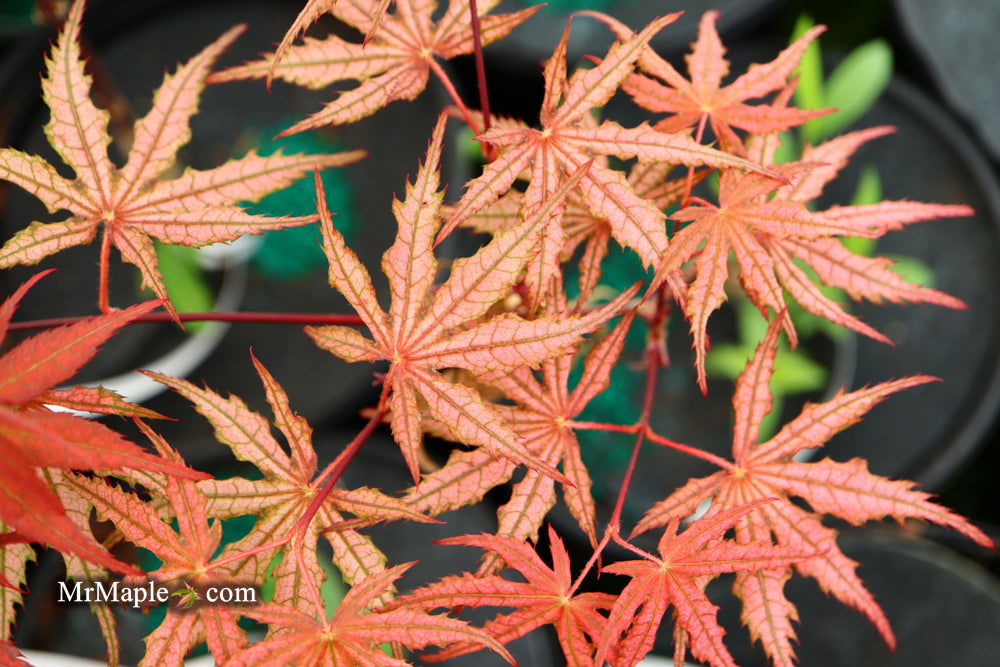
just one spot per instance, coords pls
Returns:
(187, 560)
(543, 416)
(133, 202)
(844, 490)
(14, 560)
(547, 597)
(678, 577)
(744, 223)
(33, 437)
(569, 138)
(703, 99)
(834, 264)
(352, 636)
(310, 13)
(394, 64)
(288, 486)
(422, 334)
(580, 227)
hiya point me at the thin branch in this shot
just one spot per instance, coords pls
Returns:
(693, 451)
(242, 317)
(601, 426)
(332, 473)
(453, 93)
(477, 41)
(102, 282)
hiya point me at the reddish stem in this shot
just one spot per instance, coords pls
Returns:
(689, 183)
(655, 360)
(332, 473)
(477, 41)
(102, 282)
(600, 426)
(248, 317)
(693, 451)
(453, 93)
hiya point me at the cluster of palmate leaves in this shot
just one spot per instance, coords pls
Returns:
(501, 317)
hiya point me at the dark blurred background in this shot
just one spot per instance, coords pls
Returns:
(941, 593)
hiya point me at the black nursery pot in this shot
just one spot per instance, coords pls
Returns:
(927, 433)
(533, 42)
(943, 608)
(136, 45)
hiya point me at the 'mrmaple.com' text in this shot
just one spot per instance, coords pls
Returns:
(150, 593)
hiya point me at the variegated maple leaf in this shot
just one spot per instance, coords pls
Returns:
(422, 334)
(132, 202)
(187, 555)
(543, 417)
(310, 13)
(569, 137)
(393, 65)
(703, 99)
(844, 490)
(686, 563)
(351, 636)
(33, 437)
(767, 226)
(547, 597)
(580, 227)
(743, 223)
(287, 489)
(834, 264)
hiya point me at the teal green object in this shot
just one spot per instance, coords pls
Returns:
(293, 254)
(17, 12)
(567, 6)
(603, 452)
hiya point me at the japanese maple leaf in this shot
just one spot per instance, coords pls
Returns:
(134, 203)
(421, 335)
(834, 264)
(546, 597)
(14, 559)
(351, 636)
(580, 227)
(678, 577)
(288, 486)
(393, 65)
(312, 10)
(745, 222)
(569, 138)
(33, 437)
(844, 490)
(543, 415)
(187, 556)
(703, 99)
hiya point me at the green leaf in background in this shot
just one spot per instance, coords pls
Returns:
(788, 150)
(869, 191)
(912, 270)
(853, 88)
(810, 92)
(184, 281)
(794, 371)
(333, 589)
(468, 149)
